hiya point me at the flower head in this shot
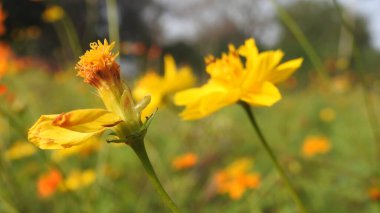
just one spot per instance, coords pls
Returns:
(3, 89)
(98, 68)
(78, 179)
(374, 193)
(315, 145)
(236, 178)
(161, 88)
(20, 149)
(232, 81)
(185, 161)
(48, 183)
(53, 14)
(3, 16)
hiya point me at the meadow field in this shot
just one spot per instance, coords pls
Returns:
(323, 131)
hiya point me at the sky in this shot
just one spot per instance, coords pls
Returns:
(369, 9)
(187, 20)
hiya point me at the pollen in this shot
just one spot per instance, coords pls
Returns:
(98, 64)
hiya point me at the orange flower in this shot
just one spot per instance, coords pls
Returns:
(3, 16)
(185, 161)
(3, 89)
(374, 193)
(236, 178)
(6, 55)
(48, 183)
(314, 145)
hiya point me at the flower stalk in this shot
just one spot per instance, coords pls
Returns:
(138, 147)
(273, 157)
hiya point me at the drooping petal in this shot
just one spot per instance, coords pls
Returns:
(283, 71)
(72, 128)
(201, 102)
(261, 94)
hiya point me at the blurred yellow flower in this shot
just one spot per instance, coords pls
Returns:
(236, 178)
(78, 179)
(185, 161)
(53, 13)
(314, 145)
(20, 149)
(48, 183)
(84, 149)
(99, 69)
(327, 114)
(231, 81)
(3, 16)
(160, 88)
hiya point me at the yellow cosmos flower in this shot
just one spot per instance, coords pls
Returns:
(160, 88)
(83, 150)
(98, 68)
(20, 149)
(53, 14)
(78, 179)
(314, 145)
(232, 81)
(236, 178)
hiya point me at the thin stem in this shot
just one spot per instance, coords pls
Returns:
(277, 165)
(113, 22)
(139, 148)
(368, 100)
(302, 40)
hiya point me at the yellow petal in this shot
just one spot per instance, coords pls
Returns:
(182, 79)
(283, 71)
(70, 129)
(201, 102)
(263, 94)
(170, 67)
(154, 104)
(147, 85)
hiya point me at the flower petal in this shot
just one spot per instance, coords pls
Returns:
(201, 102)
(283, 71)
(70, 129)
(263, 94)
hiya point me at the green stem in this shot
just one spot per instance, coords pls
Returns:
(113, 22)
(302, 40)
(139, 148)
(277, 165)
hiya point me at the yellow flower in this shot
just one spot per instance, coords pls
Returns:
(314, 145)
(232, 81)
(236, 178)
(160, 88)
(77, 179)
(327, 114)
(185, 161)
(53, 14)
(20, 149)
(85, 149)
(98, 68)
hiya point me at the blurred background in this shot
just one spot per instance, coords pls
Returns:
(325, 130)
